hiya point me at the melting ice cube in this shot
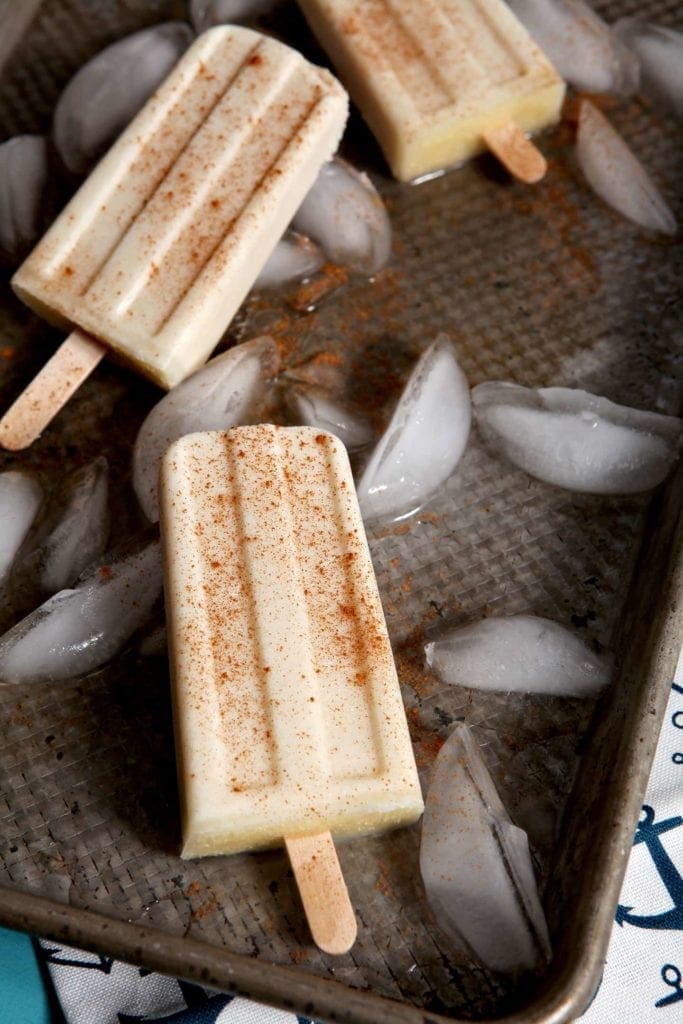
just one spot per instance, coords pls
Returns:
(425, 439)
(294, 257)
(580, 45)
(23, 177)
(616, 175)
(78, 630)
(522, 653)
(220, 395)
(660, 51)
(476, 865)
(72, 534)
(107, 92)
(314, 407)
(577, 440)
(20, 498)
(344, 214)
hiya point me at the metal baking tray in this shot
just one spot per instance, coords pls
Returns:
(539, 285)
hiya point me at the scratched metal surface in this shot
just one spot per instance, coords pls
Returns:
(540, 286)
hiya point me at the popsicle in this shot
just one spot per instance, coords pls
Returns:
(288, 714)
(441, 80)
(156, 251)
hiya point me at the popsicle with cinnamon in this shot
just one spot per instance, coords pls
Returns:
(442, 80)
(289, 722)
(154, 254)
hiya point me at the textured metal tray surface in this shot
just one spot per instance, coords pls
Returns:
(541, 286)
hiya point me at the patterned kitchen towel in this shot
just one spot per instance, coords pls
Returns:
(643, 978)
(96, 989)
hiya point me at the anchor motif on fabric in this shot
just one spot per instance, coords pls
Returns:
(53, 955)
(671, 976)
(648, 832)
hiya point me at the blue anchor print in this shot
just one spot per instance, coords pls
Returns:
(671, 976)
(51, 955)
(648, 832)
(677, 722)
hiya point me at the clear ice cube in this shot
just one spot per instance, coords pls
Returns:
(476, 865)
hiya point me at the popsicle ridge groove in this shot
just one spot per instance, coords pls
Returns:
(245, 576)
(165, 173)
(398, 47)
(119, 188)
(483, 22)
(363, 620)
(243, 641)
(208, 256)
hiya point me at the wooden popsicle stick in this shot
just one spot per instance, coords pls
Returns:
(516, 152)
(323, 891)
(50, 390)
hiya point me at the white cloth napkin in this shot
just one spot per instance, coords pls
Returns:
(643, 974)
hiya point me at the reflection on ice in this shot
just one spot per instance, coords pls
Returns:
(476, 864)
(107, 92)
(220, 395)
(314, 407)
(78, 630)
(580, 45)
(294, 257)
(660, 51)
(616, 175)
(73, 533)
(344, 214)
(23, 177)
(20, 498)
(521, 653)
(577, 440)
(425, 438)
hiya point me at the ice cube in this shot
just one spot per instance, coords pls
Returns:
(222, 394)
(294, 257)
(23, 177)
(425, 439)
(660, 51)
(577, 440)
(107, 92)
(616, 174)
(314, 407)
(521, 653)
(70, 537)
(20, 498)
(344, 214)
(580, 45)
(78, 630)
(476, 865)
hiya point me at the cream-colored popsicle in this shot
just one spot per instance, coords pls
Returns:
(158, 248)
(288, 714)
(441, 80)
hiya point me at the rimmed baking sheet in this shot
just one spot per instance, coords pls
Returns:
(541, 286)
